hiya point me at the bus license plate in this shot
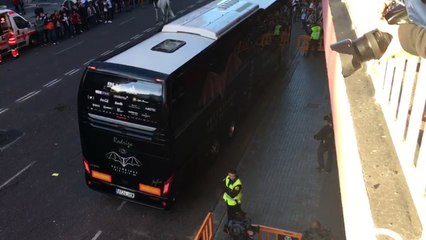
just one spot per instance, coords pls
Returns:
(124, 193)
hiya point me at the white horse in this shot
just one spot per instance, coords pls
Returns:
(166, 10)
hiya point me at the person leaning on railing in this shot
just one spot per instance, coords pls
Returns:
(412, 36)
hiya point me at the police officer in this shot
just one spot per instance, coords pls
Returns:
(232, 194)
(326, 137)
(11, 40)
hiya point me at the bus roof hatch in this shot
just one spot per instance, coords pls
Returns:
(214, 19)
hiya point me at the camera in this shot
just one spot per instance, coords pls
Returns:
(371, 45)
(396, 13)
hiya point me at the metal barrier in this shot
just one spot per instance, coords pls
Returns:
(206, 230)
(277, 234)
(399, 86)
(268, 233)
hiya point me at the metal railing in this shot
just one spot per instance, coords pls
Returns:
(206, 230)
(265, 233)
(270, 233)
(400, 84)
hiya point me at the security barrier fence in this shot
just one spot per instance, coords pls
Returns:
(265, 233)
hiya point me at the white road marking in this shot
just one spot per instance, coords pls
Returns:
(136, 36)
(121, 205)
(122, 44)
(182, 11)
(149, 29)
(68, 48)
(106, 52)
(51, 83)
(88, 62)
(128, 20)
(69, 73)
(97, 235)
(159, 24)
(2, 110)
(199, 1)
(191, 6)
(16, 175)
(29, 95)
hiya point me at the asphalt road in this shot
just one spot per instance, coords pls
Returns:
(42, 190)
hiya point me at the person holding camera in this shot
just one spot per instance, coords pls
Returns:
(325, 136)
(412, 36)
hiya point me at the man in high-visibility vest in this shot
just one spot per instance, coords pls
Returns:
(315, 37)
(12, 41)
(232, 195)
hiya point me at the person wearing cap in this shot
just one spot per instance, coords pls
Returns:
(325, 136)
(232, 194)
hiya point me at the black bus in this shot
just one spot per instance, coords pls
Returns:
(148, 113)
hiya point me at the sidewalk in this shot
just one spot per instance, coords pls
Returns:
(281, 186)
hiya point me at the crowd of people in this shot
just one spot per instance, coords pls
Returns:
(72, 19)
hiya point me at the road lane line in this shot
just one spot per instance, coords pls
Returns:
(191, 6)
(106, 52)
(121, 205)
(2, 110)
(136, 36)
(73, 71)
(31, 94)
(159, 24)
(122, 44)
(88, 62)
(97, 235)
(68, 48)
(182, 11)
(53, 82)
(149, 29)
(128, 20)
(16, 175)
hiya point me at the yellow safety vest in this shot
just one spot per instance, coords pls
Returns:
(228, 199)
(316, 30)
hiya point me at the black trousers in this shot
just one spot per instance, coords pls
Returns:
(232, 211)
(320, 154)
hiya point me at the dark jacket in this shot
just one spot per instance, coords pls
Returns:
(413, 39)
(326, 136)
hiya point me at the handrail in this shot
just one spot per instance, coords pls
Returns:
(206, 230)
(277, 233)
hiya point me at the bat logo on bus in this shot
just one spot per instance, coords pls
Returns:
(124, 161)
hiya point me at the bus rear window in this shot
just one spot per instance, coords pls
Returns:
(125, 99)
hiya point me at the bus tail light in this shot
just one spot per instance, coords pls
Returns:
(167, 184)
(101, 176)
(150, 189)
(86, 166)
